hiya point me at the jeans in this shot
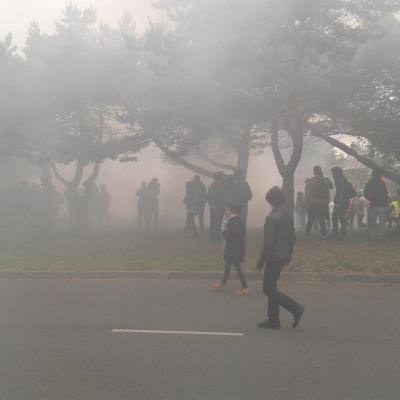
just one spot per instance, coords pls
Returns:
(276, 299)
(339, 215)
(378, 222)
(239, 270)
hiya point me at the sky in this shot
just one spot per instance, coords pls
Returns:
(16, 15)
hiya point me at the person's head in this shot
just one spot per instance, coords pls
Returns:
(376, 173)
(317, 170)
(337, 173)
(275, 197)
(234, 208)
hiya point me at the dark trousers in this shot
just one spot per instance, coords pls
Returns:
(339, 216)
(216, 217)
(239, 270)
(190, 227)
(200, 214)
(276, 299)
(317, 213)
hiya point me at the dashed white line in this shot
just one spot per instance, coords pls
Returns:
(161, 332)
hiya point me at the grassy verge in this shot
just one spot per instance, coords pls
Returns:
(169, 251)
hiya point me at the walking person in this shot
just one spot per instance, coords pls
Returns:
(234, 235)
(377, 193)
(344, 193)
(279, 242)
(317, 200)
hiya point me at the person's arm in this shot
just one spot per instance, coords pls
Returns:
(269, 235)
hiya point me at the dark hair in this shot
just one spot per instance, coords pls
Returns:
(235, 208)
(337, 172)
(276, 197)
(318, 171)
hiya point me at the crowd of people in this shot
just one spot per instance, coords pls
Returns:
(148, 204)
(373, 206)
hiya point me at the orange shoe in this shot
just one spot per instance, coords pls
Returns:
(218, 287)
(242, 292)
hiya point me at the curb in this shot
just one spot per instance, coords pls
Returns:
(206, 276)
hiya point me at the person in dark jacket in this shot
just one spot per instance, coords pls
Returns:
(240, 192)
(234, 234)
(377, 193)
(344, 193)
(279, 242)
(200, 193)
(215, 198)
(317, 198)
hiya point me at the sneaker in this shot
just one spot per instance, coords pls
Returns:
(298, 315)
(217, 287)
(242, 292)
(269, 325)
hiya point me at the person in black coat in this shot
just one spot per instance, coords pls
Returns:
(234, 234)
(279, 242)
(344, 193)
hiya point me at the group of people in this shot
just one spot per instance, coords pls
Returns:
(224, 190)
(372, 206)
(148, 204)
(276, 253)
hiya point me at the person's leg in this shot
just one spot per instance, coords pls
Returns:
(241, 275)
(343, 222)
(213, 216)
(271, 276)
(322, 227)
(227, 272)
(360, 221)
(374, 224)
(310, 220)
(201, 218)
(382, 219)
(335, 222)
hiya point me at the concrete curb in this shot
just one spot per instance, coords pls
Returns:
(207, 276)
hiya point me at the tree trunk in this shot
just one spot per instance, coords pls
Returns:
(288, 189)
(243, 159)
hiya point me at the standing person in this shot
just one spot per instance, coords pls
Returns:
(217, 207)
(394, 216)
(317, 200)
(377, 193)
(240, 193)
(192, 208)
(300, 211)
(234, 234)
(279, 242)
(200, 192)
(152, 206)
(344, 193)
(141, 195)
(104, 204)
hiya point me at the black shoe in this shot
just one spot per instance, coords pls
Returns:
(269, 325)
(298, 315)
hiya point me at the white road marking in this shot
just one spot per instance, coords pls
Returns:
(193, 333)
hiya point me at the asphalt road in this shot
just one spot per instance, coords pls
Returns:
(56, 342)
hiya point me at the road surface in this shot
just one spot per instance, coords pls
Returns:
(66, 340)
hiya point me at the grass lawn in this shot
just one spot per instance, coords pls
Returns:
(125, 250)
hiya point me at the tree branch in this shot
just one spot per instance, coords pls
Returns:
(280, 162)
(181, 161)
(362, 159)
(215, 163)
